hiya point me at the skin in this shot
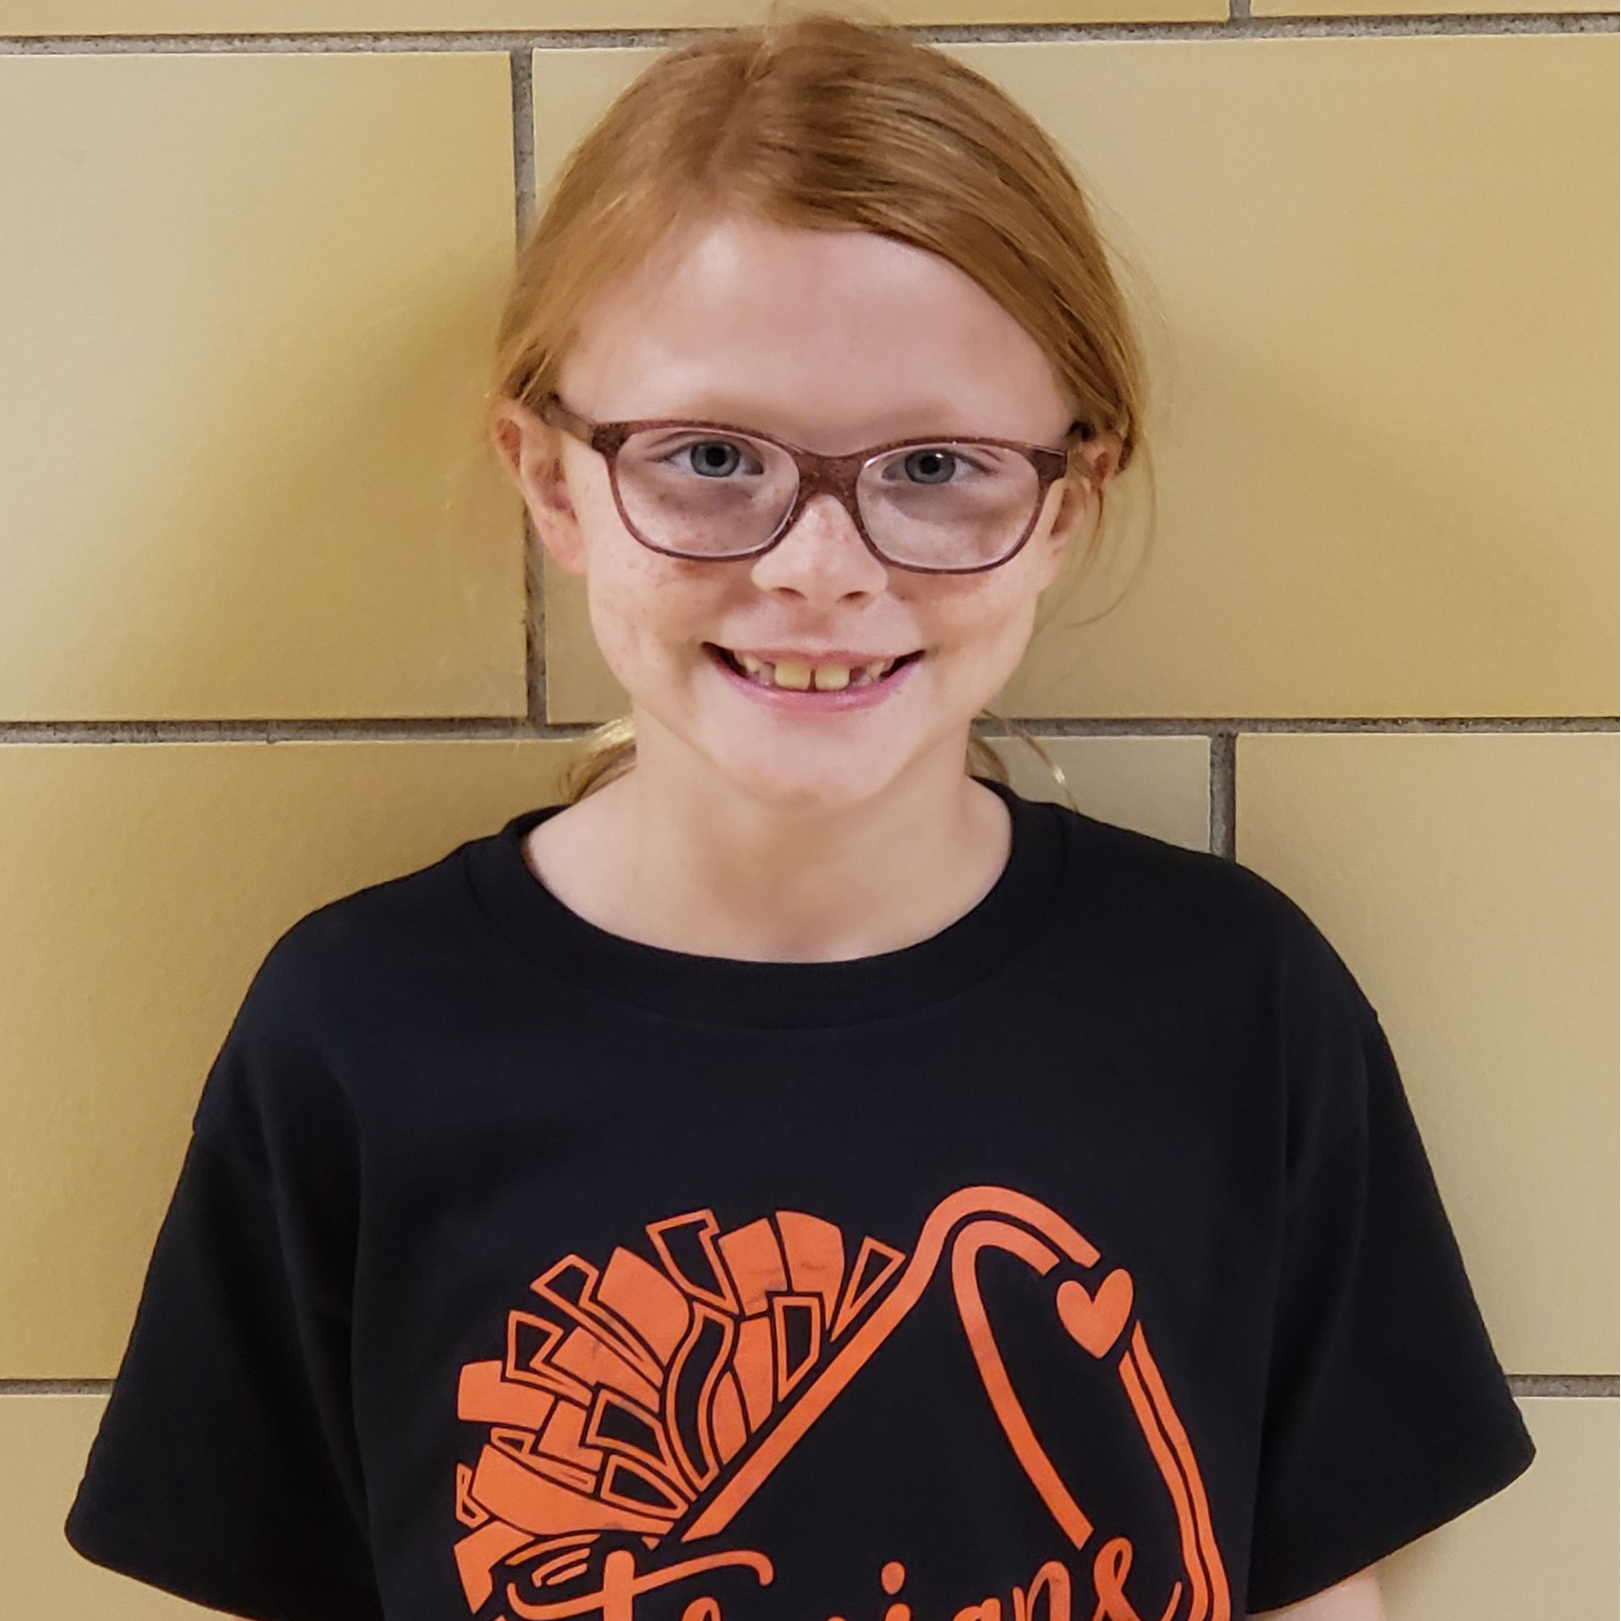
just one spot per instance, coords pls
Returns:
(743, 831)
(1355, 1599)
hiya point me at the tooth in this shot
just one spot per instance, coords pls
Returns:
(878, 668)
(748, 661)
(832, 677)
(790, 673)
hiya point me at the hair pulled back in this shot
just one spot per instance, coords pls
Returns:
(822, 122)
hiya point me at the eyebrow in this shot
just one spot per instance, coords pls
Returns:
(722, 408)
(750, 421)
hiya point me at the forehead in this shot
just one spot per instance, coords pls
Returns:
(828, 338)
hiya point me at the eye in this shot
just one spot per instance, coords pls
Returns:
(713, 458)
(931, 466)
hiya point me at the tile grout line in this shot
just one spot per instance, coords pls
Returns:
(523, 210)
(523, 140)
(55, 1387)
(1223, 792)
(509, 40)
(1478, 22)
(507, 728)
(1587, 1385)
(534, 644)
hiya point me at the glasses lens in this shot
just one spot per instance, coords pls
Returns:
(948, 506)
(939, 506)
(694, 491)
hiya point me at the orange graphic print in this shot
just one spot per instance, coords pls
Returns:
(655, 1395)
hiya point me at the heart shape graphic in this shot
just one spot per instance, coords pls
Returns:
(1095, 1321)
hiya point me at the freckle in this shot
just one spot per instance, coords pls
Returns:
(892, 1576)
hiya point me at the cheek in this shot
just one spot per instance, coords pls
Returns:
(642, 609)
(993, 616)
(618, 577)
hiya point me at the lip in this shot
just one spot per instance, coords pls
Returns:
(868, 696)
(826, 655)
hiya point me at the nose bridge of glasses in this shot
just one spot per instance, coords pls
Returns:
(829, 475)
(834, 476)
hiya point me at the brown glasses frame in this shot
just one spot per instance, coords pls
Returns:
(818, 475)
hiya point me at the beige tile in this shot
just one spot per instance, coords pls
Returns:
(571, 90)
(44, 1441)
(1387, 411)
(579, 684)
(1157, 785)
(1469, 880)
(143, 884)
(397, 16)
(246, 306)
(1377, 281)
(1544, 1546)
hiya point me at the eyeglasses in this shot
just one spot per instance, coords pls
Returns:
(711, 491)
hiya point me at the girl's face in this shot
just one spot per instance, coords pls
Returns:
(832, 341)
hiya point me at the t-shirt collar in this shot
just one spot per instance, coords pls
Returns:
(1003, 924)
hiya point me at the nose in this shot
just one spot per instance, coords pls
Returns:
(822, 558)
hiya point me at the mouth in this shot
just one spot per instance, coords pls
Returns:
(803, 678)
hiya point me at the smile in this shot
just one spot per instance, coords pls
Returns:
(801, 677)
(812, 688)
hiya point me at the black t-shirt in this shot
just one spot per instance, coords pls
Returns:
(1081, 1260)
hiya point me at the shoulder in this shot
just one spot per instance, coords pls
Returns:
(328, 984)
(1214, 957)
(370, 938)
(1190, 913)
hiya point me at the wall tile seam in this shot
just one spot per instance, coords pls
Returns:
(1584, 1386)
(1237, 25)
(1237, 726)
(514, 729)
(1571, 1386)
(523, 141)
(1224, 795)
(524, 203)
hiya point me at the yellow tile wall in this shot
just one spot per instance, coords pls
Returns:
(1470, 882)
(1377, 279)
(1343, 369)
(203, 853)
(1545, 1546)
(207, 513)
(55, 17)
(1158, 785)
(246, 297)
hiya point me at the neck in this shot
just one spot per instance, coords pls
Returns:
(687, 861)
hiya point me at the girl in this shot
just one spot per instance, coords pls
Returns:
(796, 1177)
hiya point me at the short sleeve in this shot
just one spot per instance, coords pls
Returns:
(225, 1469)
(1388, 1413)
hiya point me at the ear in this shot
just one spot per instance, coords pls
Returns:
(1100, 457)
(532, 451)
(1095, 461)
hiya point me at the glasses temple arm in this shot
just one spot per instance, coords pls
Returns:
(552, 410)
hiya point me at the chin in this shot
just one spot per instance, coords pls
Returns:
(835, 783)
